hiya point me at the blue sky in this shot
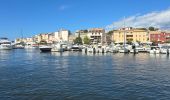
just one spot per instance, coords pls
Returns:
(38, 16)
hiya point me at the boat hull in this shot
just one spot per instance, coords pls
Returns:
(5, 47)
(124, 51)
(45, 49)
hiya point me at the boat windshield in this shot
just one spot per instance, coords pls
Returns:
(5, 42)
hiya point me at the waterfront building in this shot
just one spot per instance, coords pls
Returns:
(132, 35)
(159, 37)
(23, 40)
(97, 36)
(72, 38)
(81, 33)
(47, 37)
(51, 38)
(62, 35)
(18, 40)
(42, 37)
(35, 38)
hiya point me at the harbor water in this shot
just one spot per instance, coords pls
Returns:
(31, 75)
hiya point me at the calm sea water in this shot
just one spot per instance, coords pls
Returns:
(31, 75)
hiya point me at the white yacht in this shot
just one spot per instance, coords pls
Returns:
(75, 48)
(58, 47)
(134, 51)
(31, 45)
(164, 49)
(5, 44)
(18, 46)
(155, 50)
(45, 48)
(124, 49)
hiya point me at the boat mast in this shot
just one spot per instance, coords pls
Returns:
(22, 37)
(124, 41)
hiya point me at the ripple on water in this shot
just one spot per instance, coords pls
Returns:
(76, 76)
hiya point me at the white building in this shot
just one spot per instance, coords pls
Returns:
(97, 36)
(62, 35)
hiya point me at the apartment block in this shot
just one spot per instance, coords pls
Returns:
(131, 34)
(97, 36)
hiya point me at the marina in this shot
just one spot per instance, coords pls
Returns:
(112, 48)
(85, 50)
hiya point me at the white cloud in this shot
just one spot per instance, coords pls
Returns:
(159, 19)
(63, 7)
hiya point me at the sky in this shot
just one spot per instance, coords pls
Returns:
(30, 17)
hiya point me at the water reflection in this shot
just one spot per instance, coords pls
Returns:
(77, 76)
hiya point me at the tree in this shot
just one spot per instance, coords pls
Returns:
(78, 40)
(151, 28)
(129, 41)
(141, 28)
(108, 39)
(85, 31)
(110, 33)
(86, 40)
(167, 41)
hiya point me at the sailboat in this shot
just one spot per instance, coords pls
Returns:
(21, 44)
(124, 49)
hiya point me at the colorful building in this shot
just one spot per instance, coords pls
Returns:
(131, 35)
(159, 37)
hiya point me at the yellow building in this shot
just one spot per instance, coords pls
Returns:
(132, 35)
(25, 40)
(48, 37)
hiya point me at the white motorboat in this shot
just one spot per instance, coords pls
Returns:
(76, 48)
(123, 50)
(45, 48)
(31, 45)
(5, 44)
(134, 51)
(58, 47)
(163, 51)
(141, 49)
(18, 46)
(155, 50)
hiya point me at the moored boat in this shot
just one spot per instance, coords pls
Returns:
(5, 44)
(75, 48)
(58, 47)
(45, 48)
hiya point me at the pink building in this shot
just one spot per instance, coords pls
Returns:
(160, 37)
